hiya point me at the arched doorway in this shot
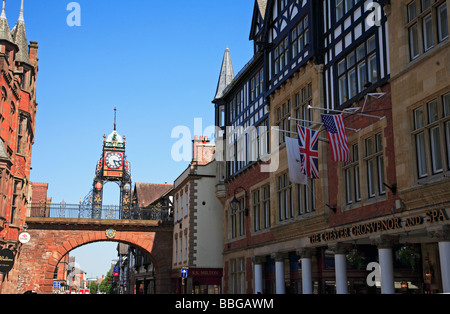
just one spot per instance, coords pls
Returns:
(106, 267)
(54, 239)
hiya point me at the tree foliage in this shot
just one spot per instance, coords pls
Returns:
(93, 287)
(105, 286)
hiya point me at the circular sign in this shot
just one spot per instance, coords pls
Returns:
(6, 261)
(110, 233)
(24, 237)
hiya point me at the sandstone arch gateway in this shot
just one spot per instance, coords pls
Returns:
(53, 238)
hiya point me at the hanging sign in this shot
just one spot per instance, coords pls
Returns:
(6, 261)
(116, 271)
(24, 237)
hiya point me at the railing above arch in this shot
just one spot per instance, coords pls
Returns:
(112, 212)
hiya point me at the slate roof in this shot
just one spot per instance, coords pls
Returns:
(19, 35)
(5, 33)
(226, 74)
(147, 193)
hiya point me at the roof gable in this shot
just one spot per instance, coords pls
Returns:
(259, 13)
(147, 193)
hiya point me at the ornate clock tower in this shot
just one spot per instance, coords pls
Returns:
(113, 167)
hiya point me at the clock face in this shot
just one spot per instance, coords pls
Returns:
(114, 160)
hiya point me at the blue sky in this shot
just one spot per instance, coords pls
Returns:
(158, 61)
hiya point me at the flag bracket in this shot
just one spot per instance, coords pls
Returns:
(350, 111)
(334, 209)
(289, 132)
(313, 122)
(374, 95)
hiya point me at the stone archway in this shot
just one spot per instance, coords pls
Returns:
(50, 242)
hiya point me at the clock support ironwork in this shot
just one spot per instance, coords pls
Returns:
(113, 167)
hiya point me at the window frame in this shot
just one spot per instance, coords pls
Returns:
(283, 113)
(441, 36)
(375, 173)
(261, 208)
(424, 25)
(357, 61)
(430, 131)
(284, 198)
(299, 36)
(352, 177)
(281, 56)
(302, 100)
(306, 198)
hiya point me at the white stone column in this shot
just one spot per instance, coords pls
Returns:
(385, 257)
(258, 262)
(444, 255)
(279, 272)
(306, 262)
(340, 264)
(387, 270)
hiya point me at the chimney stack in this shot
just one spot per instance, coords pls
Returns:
(202, 150)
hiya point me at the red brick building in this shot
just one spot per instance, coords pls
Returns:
(18, 67)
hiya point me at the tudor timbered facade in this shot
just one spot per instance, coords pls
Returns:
(291, 36)
(333, 56)
(356, 50)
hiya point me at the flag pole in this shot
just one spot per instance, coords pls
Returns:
(374, 95)
(289, 132)
(351, 129)
(347, 112)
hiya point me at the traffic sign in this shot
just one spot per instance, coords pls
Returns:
(184, 273)
(56, 285)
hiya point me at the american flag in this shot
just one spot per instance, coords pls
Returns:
(309, 151)
(337, 135)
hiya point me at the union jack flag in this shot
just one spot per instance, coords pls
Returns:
(308, 141)
(338, 137)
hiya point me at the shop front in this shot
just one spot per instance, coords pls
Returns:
(406, 253)
(198, 281)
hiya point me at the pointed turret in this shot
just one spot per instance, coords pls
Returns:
(5, 33)
(226, 74)
(19, 35)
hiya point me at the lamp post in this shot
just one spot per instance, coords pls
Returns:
(235, 204)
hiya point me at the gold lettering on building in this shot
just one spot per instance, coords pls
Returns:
(436, 216)
(5, 259)
(431, 216)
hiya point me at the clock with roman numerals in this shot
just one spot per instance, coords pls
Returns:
(114, 160)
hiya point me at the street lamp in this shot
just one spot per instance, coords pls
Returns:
(235, 204)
